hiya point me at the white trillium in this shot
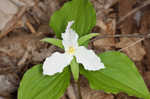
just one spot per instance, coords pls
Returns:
(58, 61)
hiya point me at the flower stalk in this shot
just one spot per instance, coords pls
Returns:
(79, 91)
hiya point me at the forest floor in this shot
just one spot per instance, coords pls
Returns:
(124, 26)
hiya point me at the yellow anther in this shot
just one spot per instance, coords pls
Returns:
(71, 50)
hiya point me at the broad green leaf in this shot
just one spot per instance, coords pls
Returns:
(80, 11)
(35, 85)
(120, 75)
(56, 42)
(85, 38)
(75, 69)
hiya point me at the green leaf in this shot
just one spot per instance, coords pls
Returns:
(81, 11)
(56, 42)
(82, 40)
(75, 69)
(35, 85)
(120, 75)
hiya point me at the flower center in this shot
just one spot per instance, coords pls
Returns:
(71, 50)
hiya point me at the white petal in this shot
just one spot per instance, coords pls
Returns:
(69, 26)
(56, 63)
(88, 59)
(70, 37)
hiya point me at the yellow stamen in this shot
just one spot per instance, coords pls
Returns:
(71, 50)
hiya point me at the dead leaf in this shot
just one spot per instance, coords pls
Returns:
(5, 85)
(124, 96)
(135, 52)
(88, 93)
(147, 78)
(125, 6)
(145, 23)
(108, 28)
(7, 11)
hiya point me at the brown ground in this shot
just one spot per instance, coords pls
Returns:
(20, 48)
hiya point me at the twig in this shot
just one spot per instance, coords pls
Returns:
(11, 25)
(133, 11)
(25, 56)
(135, 35)
(130, 45)
(31, 28)
(23, 59)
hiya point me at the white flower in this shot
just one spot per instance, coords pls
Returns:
(58, 61)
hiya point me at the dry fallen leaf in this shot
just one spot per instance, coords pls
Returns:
(5, 85)
(9, 9)
(8, 82)
(147, 78)
(145, 23)
(108, 28)
(125, 6)
(135, 52)
(88, 93)
(103, 44)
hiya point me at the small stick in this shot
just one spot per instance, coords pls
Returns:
(31, 28)
(130, 45)
(23, 59)
(12, 24)
(135, 35)
(133, 11)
